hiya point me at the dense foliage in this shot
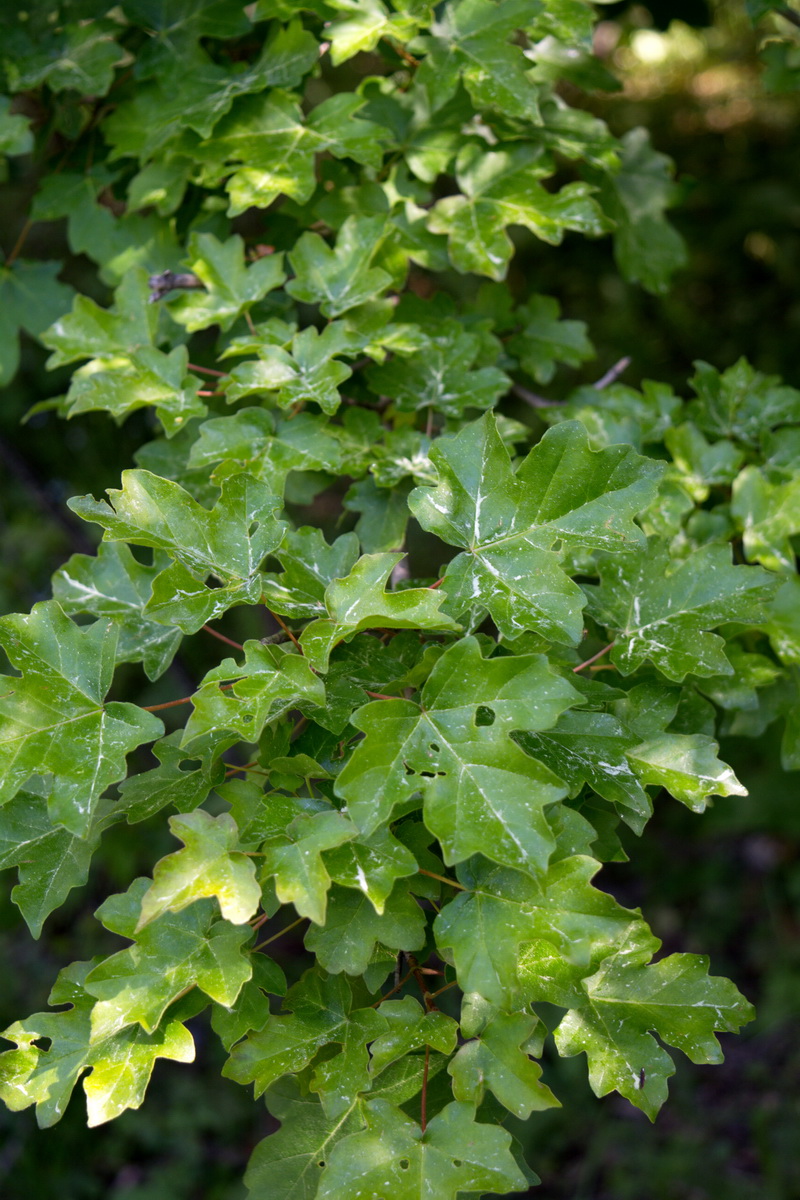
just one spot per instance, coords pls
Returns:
(539, 619)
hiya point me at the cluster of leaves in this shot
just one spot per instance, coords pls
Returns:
(427, 772)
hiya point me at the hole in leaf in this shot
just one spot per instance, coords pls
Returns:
(432, 774)
(321, 1162)
(253, 527)
(190, 764)
(434, 747)
(404, 1164)
(484, 715)
(456, 1162)
(409, 770)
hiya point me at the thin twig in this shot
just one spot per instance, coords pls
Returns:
(788, 14)
(443, 879)
(380, 695)
(206, 370)
(285, 629)
(20, 242)
(247, 767)
(221, 637)
(612, 374)
(423, 1117)
(594, 658)
(438, 583)
(531, 398)
(447, 986)
(183, 700)
(400, 984)
(416, 971)
(280, 933)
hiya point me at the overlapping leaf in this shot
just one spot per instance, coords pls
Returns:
(509, 522)
(53, 716)
(661, 610)
(171, 955)
(481, 793)
(120, 1061)
(501, 188)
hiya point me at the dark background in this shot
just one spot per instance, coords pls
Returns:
(726, 883)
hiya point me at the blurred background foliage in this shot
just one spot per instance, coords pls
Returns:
(720, 100)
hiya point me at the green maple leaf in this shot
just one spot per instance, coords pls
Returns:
(394, 1157)
(269, 683)
(501, 188)
(366, 23)
(497, 1057)
(352, 929)
(409, 1028)
(661, 609)
(360, 601)
(647, 248)
(182, 779)
(309, 373)
(371, 864)
(481, 794)
(231, 288)
(266, 448)
(687, 766)
(159, 113)
(79, 57)
(287, 1165)
(31, 298)
(228, 542)
(15, 130)
(769, 516)
(142, 379)
(702, 465)
(278, 146)
(172, 954)
(339, 279)
(617, 413)
(89, 331)
(471, 42)
(508, 522)
(174, 24)
(310, 565)
(53, 718)
(251, 1009)
(114, 585)
(209, 865)
(783, 622)
(441, 377)
(740, 403)
(295, 859)
(316, 1012)
(51, 860)
(590, 747)
(120, 1062)
(483, 928)
(627, 999)
(545, 339)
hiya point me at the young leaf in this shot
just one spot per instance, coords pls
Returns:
(496, 1057)
(295, 859)
(501, 188)
(209, 865)
(171, 955)
(360, 601)
(352, 928)
(120, 1061)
